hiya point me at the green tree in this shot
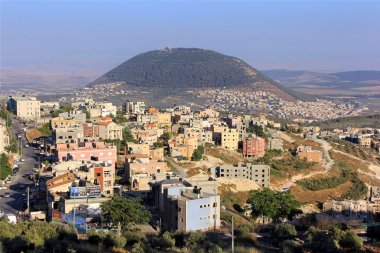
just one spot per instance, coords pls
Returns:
(6, 115)
(12, 147)
(124, 212)
(158, 144)
(167, 136)
(65, 108)
(127, 135)
(54, 114)
(88, 114)
(45, 130)
(198, 153)
(5, 167)
(258, 130)
(273, 204)
(119, 117)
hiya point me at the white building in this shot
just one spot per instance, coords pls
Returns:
(26, 108)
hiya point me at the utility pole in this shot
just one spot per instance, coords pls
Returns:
(27, 200)
(74, 216)
(216, 194)
(232, 233)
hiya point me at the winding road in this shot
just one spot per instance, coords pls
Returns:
(328, 163)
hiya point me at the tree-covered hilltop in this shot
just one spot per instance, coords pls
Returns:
(192, 68)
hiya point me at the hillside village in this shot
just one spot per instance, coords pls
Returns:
(232, 100)
(192, 169)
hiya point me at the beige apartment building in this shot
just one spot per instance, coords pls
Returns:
(4, 138)
(26, 108)
(230, 139)
(109, 129)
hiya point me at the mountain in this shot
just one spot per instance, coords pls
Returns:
(350, 82)
(191, 68)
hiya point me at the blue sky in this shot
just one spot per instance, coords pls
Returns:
(90, 37)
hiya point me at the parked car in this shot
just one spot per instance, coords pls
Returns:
(14, 173)
(3, 187)
(22, 160)
(26, 175)
(8, 181)
(7, 195)
(22, 186)
(26, 145)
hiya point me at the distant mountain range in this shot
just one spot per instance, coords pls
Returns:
(192, 68)
(350, 82)
(26, 82)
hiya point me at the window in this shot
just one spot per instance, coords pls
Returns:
(200, 206)
(109, 153)
(81, 155)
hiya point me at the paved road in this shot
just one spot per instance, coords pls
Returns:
(327, 147)
(182, 172)
(15, 202)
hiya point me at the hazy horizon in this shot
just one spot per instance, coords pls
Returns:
(89, 38)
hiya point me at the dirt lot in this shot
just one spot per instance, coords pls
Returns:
(307, 196)
(227, 156)
(238, 185)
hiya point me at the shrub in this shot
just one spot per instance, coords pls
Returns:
(179, 237)
(94, 239)
(138, 247)
(196, 238)
(167, 241)
(284, 232)
(56, 246)
(215, 249)
(291, 246)
(373, 232)
(242, 231)
(351, 241)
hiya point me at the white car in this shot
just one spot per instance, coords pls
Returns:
(22, 160)
(26, 145)
(8, 181)
(3, 187)
(7, 195)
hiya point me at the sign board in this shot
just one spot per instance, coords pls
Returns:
(85, 192)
